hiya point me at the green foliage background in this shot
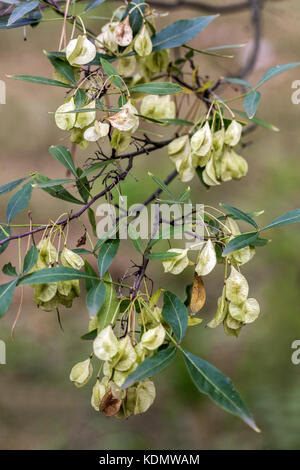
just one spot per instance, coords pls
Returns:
(39, 407)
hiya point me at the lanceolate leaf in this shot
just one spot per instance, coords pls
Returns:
(251, 103)
(157, 88)
(22, 10)
(274, 71)
(93, 280)
(95, 298)
(180, 32)
(9, 270)
(161, 256)
(240, 215)
(40, 80)
(30, 259)
(175, 313)
(6, 188)
(111, 72)
(62, 154)
(6, 295)
(292, 217)
(257, 121)
(220, 389)
(238, 81)
(110, 305)
(54, 275)
(56, 191)
(239, 242)
(5, 232)
(63, 67)
(32, 19)
(135, 238)
(106, 255)
(18, 202)
(93, 4)
(151, 366)
(91, 335)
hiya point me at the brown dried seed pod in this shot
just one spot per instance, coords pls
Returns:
(109, 405)
(198, 297)
(123, 33)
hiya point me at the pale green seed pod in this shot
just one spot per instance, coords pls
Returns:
(105, 40)
(243, 255)
(106, 345)
(221, 312)
(107, 369)
(96, 132)
(123, 33)
(157, 61)
(80, 51)
(120, 141)
(128, 355)
(116, 391)
(70, 259)
(142, 43)
(201, 141)
(232, 323)
(45, 292)
(145, 396)
(81, 373)
(206, 260)
(232, 165)
(230, 331)
(233, 133)
(48, 306)
(237, 288)
(47, 252)
(140, 352)
(252, 310)
(158, 107)
(64, 288)
(209, 174)
(177, 264)
(64, 119)
(98, 393)
(78, 138)
(86, 119)
(179, 151)
(153, 338)
(218, 142)
(126, 66)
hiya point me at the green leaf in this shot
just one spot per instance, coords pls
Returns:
(83, 185)
(22, 10)
(180, 32)
(257, 121)
(56, 191)
(218, 387)
(18, 202)
(110, 305)
(161, 184)
(62, 154)
(92, 220)
(106, 255)
(95, 298)
(175, 313)
(107, 236)
(40, 80)
(3, 236)
(32, 19)
(52, 183)
(161, 256)
(30, 259)
(80, 98)
(94, 167)
(93, 280)
(274, 71)
(151, 366)
(6, 188)
(135, 18)
(93, 4)
(251, 103)
(260, 242)
(135, 238)
(54, 275)
(9, 270)
(82, 251)
(90, 336)
(238, 81)
(6, 296)
(239, 242)
(111, 72)
(63, 67)
(240, 215)
(157, 88)
(292, 217)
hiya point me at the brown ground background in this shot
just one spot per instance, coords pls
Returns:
(39, 408)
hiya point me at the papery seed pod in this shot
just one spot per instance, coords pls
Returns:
(45, 292)
(145, 396)
(252, 310)
(110, 405)
(80, 51)
(128, 355)
(237, 288)
(125, 120)
(221, 313)
(123, 33)
(177, 264)
(230, 331)
(120, 141)
(126, 66)
(64, 119)
(243, 255)
(232, 323)
(105, 40)
(198, 297)
(98, 393)
(107, 369)
(153, 338)
(209, 174)
(81, 373)
(64, 287)
(158, 107)
(206, 260)
(157, 61)
(77, 137)
(93, 323)
(116, 391)
(96, 132)
(193, 321)
(70, 259)
(233, 133)
(201, 141)
(106, 345)
(84, 119)
(232, 165)
(142, 43)
(180, 153)
(47, 252)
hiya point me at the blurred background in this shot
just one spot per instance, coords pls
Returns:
(39, 407)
